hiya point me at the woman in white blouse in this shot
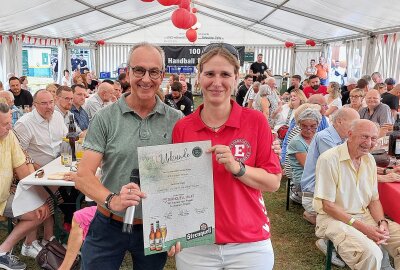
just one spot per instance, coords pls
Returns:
(333, 99)
(297, 98)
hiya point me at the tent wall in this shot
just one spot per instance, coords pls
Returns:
(386, 57)
(278, 58)
(303, 55)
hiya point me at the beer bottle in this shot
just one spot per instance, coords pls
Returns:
(152, 237)
(158, 237)
(394, 139)
(72, 135)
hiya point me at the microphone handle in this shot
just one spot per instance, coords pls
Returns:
(128, 220)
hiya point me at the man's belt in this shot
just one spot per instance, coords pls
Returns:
(108, 214)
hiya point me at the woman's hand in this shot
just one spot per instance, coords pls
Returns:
(224, 156)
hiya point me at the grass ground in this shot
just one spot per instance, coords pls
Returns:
(293, 238)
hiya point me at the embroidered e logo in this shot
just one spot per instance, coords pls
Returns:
(239, 150)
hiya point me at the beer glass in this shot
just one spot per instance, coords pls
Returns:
(163, 230)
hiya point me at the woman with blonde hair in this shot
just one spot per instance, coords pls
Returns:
(297, 98)
(356, 99)
(333, 99)
(52, 88)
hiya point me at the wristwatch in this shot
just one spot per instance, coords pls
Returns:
(383, 220)
(242, 170)
(107, 202)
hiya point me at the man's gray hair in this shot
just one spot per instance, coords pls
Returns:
(9, 93)
(149, 45)
(256, 84)
(309, 114)
(4, 108)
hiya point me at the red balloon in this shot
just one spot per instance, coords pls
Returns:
(185, 4)
(80, 40)
(76, 41)
(312, 43)
(181, 18)
(191, 35)
(308, 41)
(193, 19)
(169, 2)
(194, 10)
(289, 44)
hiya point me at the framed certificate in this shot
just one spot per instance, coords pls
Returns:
(178, 181)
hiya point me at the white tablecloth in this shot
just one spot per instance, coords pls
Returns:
(30, 193)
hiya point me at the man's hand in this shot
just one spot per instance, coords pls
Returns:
(129, 195)
(42, 212)
(276, 145)
(175, 249)
(377, 234)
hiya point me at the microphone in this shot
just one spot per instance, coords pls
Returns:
(130, 211)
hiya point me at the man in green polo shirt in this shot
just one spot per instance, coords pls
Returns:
(137, 119)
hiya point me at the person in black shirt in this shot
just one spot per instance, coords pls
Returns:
(242, 91)
(295, 82)
(83, 64)
(21, 97)
(346, 88)
(54, 65)
(74, 62)
(259, 68)
(391, 99)
(177, 100)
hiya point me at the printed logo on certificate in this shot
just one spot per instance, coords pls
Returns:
(178, 181)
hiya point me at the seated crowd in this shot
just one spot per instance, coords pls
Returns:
(326, 134)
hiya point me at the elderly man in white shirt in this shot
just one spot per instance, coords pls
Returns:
(41, 131)
(99, 100)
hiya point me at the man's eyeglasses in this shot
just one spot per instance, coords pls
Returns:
(139, 72)
(356, 96)
(230, 48)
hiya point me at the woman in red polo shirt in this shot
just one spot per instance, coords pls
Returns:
(244, 165)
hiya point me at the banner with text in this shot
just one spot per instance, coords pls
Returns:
(189, 55)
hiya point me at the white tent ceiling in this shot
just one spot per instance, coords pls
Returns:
(237, 22)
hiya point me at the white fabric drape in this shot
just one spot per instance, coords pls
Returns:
(303, 57)
(62, 60)
(386, 57)
(358, 53)
(277, 58)
(93, 62)
(10, 58)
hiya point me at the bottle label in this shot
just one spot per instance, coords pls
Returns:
(397, 148)
(66, 160)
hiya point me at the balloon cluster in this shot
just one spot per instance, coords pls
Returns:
(78, 40)
(101, 42)
(289, 44)
(183, 17)
(310, 42)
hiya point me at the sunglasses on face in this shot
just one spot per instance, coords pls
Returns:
(230, 48)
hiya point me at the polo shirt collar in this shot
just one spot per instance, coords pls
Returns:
(233, 120)
(159, 108)
(38, 117)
